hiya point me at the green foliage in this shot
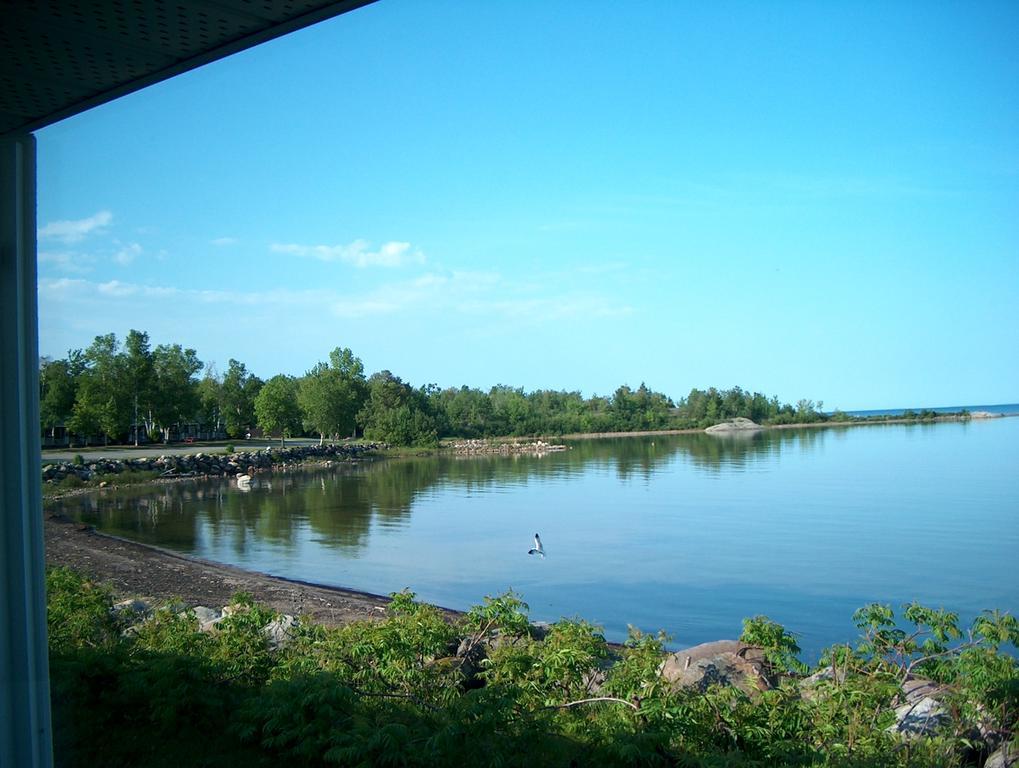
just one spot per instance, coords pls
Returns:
(636, 673)
(331, 395)
(174, 386)
(58, 385)
(276, 407)
(779, 646)
(78, 612)
(71, 482)
(395, 655)
(396, 413)
(78, 460)
(505, 614)
(388, 692)
(237, 398)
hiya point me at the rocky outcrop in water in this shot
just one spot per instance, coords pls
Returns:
(477, 447)
(207, 464)
(739, 424)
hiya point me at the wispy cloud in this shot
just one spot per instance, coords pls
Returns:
(481, 299)
(117, 288)
(127, 254)
(75, 230)
(59, 288)
(431, 291)
(67, 261)
(358, 253)
(223, 241)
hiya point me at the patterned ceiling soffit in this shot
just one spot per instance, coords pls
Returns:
(61, 57)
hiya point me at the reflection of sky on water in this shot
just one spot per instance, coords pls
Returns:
(688, 533)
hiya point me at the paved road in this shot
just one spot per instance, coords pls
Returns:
(176, 449)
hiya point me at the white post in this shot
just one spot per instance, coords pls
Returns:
(25, 730)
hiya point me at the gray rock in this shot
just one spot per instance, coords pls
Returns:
(923, 717)
(810, 687)
(134, 609)
(208, 618)
(916, 688)
(204, 614)
(1005, 757)
(739, 424)
(279, 631)
(723, 662)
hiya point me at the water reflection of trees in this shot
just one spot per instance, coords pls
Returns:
(339, 505)
(737, 452)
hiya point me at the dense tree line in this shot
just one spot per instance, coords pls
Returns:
(131, 391)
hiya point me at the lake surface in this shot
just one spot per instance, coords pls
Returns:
(686, 533)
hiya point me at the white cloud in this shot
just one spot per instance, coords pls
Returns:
(117, 288)
(67, 261)
(127, 254)
(357, 253)
(224, 241)
(431, 291)
(59, 288)
(484, 298)
(72, 231)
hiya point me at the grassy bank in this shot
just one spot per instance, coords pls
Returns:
(417, 689)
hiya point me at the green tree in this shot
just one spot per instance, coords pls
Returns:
(103, 401)
(331, 395)
(210, 398)
(237, 402)
(176, 386)
(320, 395)
(139, 377)
(276, 407)
(351, 371)
(397, 413)
(58, 386)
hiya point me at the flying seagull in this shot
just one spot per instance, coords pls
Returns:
(538, 549)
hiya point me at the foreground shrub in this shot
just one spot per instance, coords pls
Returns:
(416, 689)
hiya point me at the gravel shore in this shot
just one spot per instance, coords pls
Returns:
(139, 570)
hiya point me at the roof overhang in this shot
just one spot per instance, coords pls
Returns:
(62, 57)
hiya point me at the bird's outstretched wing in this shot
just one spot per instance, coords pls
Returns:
(538, 548)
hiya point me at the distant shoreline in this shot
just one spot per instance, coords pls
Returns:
(854, 422)
(126, 451)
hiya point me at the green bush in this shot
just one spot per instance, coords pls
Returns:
(71, 482)
(78, 612)
(393, 692)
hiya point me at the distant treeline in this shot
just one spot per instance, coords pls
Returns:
(123, 392)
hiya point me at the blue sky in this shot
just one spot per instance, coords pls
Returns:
(806, 199)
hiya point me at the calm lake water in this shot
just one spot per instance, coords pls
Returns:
(686, 533)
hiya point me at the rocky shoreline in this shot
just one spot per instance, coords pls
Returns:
(208, 464)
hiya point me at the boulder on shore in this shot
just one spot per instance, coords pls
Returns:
(723, 662)
(739, 424)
